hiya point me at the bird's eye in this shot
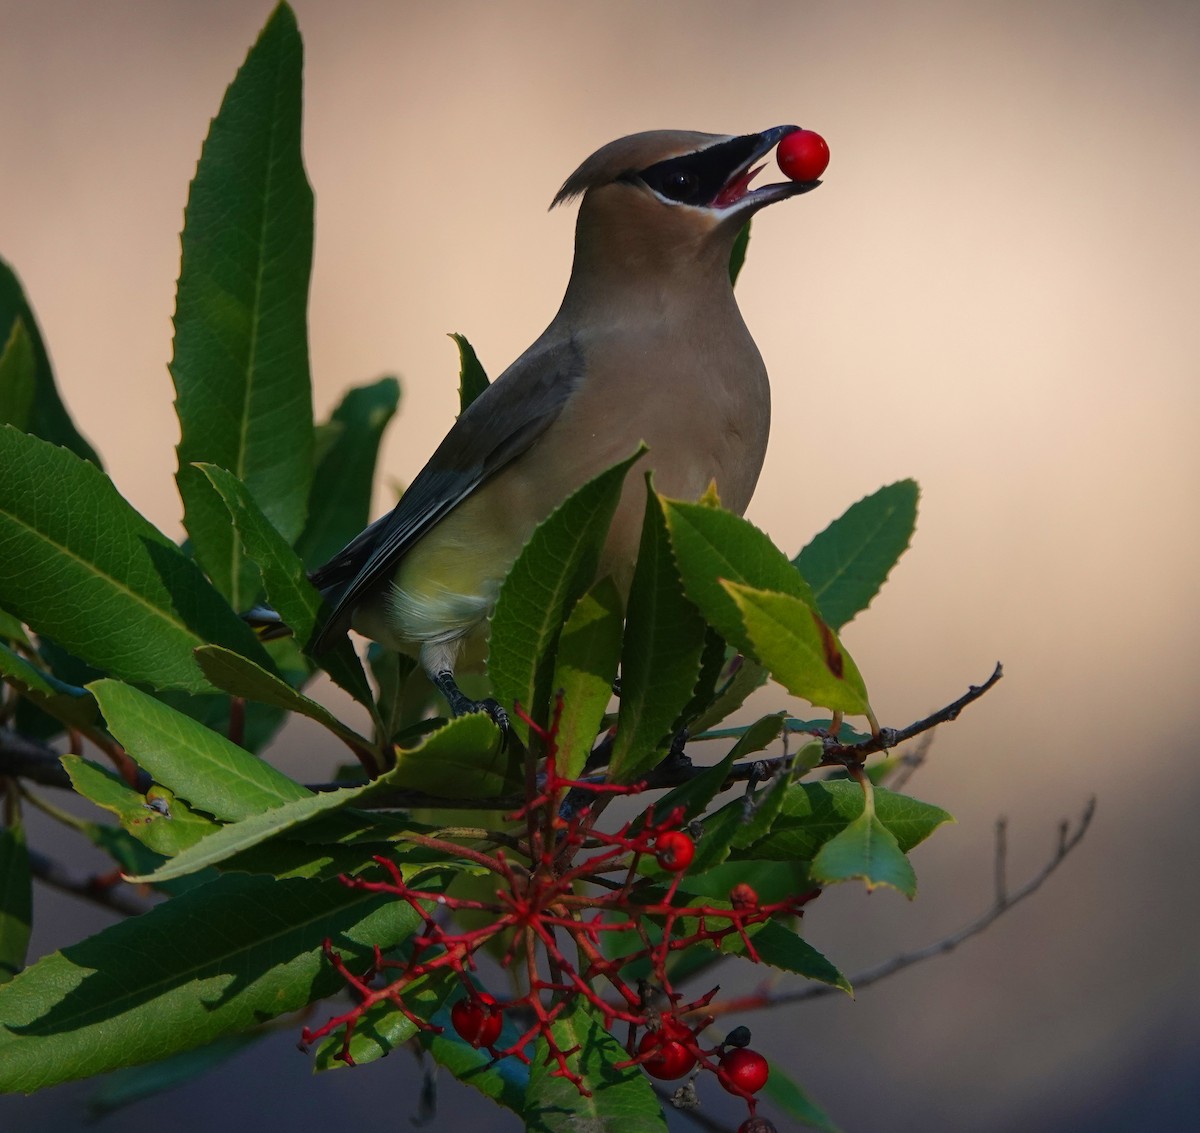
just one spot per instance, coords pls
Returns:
(692, 178)
(680, 185)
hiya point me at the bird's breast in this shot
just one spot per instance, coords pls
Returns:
(694, 391)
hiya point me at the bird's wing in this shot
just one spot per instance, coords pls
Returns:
(499, 425)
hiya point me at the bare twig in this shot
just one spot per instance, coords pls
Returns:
(1000, 859)
(24, 758)
(887, 738)
(28, 759)
(1002, 901)
(111, 894)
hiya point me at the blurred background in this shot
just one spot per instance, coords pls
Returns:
(996, 291)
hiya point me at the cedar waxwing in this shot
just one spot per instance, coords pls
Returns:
(648, 345)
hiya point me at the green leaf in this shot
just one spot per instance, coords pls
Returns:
(720, 830)
(694, 796)
(217, 960)
(11, 629)
(813, 813)
(47, 417)
(621, 1101)
(585, 667)
(772, 881)
(383, 1028)
(391, 671)
(16, 896)
(235, 674)
(768, 802)
(850, 560)
(709, 682)
(747, 676)
(339, 506)
(259, 723)
(136, 1083)
(782, 1091)
(737, 258)
(822, 726)
(237, 837)
(744, 819)
(71, 670)
(134, 857)
(763, 732)
(712, 546)
(472, 378)
(801, 652)
(866, 849)
(774, 942)
(59, 671)
(555, 567)
(660, 658)
(465, 759)
(18, 379)
(63, 701)
(79, 565)
(240, 361)
(780, 947)
(157, 819)
(287, 586)
(297, 856)
(210, 772)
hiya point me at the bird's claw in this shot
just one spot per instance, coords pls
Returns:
(496, 713)
(462, 705)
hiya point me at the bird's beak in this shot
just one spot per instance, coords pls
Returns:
(736, 196)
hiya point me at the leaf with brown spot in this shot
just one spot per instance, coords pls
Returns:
(800, 650)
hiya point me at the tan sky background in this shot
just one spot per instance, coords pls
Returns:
(996, 291)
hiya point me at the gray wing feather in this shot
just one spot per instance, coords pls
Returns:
(499, 425)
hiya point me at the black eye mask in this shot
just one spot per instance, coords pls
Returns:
(697, 178)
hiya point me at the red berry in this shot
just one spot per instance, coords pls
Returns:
(674, 850)
(478, 1020)
(671, 1059)
(743, 896)
(743, 1071)
(803, 156)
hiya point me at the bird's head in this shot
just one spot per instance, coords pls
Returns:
(667, 199)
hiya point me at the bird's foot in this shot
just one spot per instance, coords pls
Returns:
(461, 704)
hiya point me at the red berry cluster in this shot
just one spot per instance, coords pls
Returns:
(553, 886)
(672, 1050)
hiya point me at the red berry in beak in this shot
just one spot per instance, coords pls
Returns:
(803, 156)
